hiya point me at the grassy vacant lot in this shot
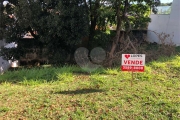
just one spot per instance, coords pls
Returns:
(71, 93)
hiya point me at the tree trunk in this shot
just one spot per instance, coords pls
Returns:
(93, 17)
(117, 37)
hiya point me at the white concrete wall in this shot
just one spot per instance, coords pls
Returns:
(169, 24)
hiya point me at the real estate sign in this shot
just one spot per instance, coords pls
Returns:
(133, 62)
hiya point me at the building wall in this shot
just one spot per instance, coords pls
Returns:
(169, 24)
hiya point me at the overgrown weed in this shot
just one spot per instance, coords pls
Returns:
(153, 51)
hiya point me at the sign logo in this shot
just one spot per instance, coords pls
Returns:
(127, 56)
(133, 62)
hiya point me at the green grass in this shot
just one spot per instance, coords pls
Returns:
(72, 93)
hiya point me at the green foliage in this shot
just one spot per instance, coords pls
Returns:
(138, 12)
(100, 39)
(59, 29)
(139, 15)
(2, 25)
(60, 24)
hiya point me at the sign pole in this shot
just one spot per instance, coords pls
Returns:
(132, 78)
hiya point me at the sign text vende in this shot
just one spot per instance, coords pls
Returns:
(133, 62)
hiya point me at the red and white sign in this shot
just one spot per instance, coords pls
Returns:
(133, 62)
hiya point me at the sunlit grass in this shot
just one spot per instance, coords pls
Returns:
(72, 93)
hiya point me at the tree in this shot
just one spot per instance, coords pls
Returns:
(72, 20)
(59, 24)
(124, 9)
(126, 14)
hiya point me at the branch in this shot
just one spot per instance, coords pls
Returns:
(125, 7)
(135, 50)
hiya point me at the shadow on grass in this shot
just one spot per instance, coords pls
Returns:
(80, 91)
(81, 73)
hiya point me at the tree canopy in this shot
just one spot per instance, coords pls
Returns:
(60, 25)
